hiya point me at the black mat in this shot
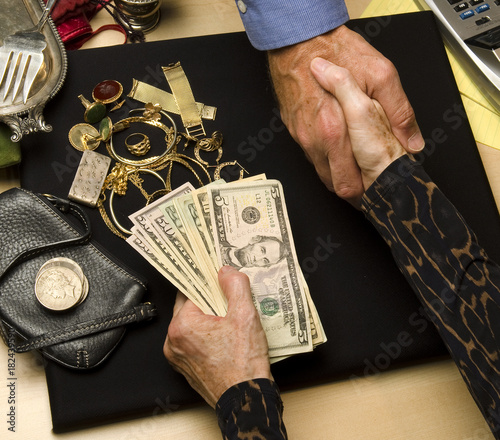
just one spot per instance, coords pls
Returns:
(370, 315)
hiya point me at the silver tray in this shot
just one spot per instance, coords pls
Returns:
(27, 118)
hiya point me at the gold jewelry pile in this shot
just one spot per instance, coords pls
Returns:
(85, 137)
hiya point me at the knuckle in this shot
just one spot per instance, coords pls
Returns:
(303, 137)
(167, 350)
(347, 192)
(405, 119)
(236, 282)
(176, 334)
(236, 276)
(384, 70)
(347, 182)
(386, 74)
(331, 127)
(342, 76)
(362, 107)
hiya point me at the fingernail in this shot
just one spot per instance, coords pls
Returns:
(320, 64)
(416, 142)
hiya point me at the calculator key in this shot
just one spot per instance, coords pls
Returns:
(483, 8)
(467, 14)
(483, 20)
(452, 2)
(476, 2)
(461, 7)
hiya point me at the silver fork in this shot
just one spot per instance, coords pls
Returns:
(21, 57)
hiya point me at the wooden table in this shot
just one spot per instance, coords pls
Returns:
(428, 401)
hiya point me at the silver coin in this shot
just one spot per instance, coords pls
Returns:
(60, 284)
(62, 262)
(58, 288)
(85, 290)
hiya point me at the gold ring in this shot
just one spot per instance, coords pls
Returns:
(140, 148)
(170, 138)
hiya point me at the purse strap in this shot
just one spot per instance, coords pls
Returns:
(64, 206)
(136, 314)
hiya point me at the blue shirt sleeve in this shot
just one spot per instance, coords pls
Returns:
(271, 24)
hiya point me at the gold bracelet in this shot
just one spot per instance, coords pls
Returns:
(184, 99)
(112, 196)
(145, 93)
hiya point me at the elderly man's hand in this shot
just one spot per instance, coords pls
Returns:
(373, 144)
(215, 353)
(314, 117)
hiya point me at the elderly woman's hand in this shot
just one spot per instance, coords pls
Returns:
(212, 352)
(373, 144)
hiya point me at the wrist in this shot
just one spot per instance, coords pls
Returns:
(318, 46)
(369, 175)
(261, 371)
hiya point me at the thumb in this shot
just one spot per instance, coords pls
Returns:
(180, 300)
(341, 84)
(324, 72)
(361, 112)
(400, 114)
(236, 287)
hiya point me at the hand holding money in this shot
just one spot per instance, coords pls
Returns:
(189, 234)
(216, 353)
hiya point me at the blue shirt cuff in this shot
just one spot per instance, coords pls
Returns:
(271, 24)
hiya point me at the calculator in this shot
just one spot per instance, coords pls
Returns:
(472, 31)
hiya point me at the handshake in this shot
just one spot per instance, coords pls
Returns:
(215, 352)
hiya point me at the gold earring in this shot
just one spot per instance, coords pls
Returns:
(218, 169)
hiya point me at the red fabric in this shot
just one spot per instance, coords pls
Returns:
(73, 28)
(72, 19)
(65, 9)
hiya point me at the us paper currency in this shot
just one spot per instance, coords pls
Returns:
(189, 234)
(252, 233)
(162, 251)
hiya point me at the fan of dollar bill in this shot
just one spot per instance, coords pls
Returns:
(190, 233)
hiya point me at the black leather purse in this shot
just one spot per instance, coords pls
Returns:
(60, 293)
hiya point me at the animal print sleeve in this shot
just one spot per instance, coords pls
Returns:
(449, 271)
(251, 410)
